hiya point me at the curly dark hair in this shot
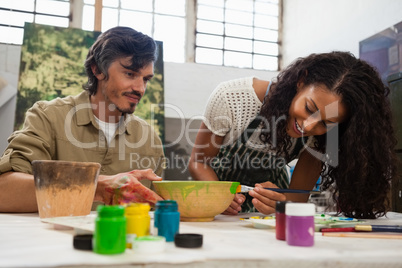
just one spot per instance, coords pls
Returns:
(366, 158)
(115, 43)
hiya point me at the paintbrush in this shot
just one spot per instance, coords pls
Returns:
(364, 235)
(245, 189)
(338, 230)
(379, 228)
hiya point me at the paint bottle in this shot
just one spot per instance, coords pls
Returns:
(300, 224)
(166, 219)
(110, 230)
(280, 220)
(138, 221)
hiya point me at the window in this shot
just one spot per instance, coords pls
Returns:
(163, 20)
(239, 33)
(14, 14)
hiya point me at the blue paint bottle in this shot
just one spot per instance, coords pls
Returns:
(166, 219)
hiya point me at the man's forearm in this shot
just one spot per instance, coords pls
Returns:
(17, 192)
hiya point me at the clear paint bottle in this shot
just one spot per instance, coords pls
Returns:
(138, 221)
(300, 224)
(110, 230)
(166, 219)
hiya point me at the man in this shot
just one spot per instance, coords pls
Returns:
(95, 126)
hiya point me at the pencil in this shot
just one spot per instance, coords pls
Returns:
(379, 228)
(364, 235)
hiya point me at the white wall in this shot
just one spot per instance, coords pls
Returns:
(9, 68)
(314, 26)
(188, 85)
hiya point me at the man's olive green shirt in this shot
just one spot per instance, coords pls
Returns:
(66, 129)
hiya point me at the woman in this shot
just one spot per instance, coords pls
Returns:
(330, 111)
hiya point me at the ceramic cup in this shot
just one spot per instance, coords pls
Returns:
(64, 188)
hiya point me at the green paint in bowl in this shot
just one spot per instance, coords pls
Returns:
(198, 200)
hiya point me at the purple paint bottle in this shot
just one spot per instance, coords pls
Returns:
(300, 224)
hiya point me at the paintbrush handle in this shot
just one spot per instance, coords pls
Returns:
(364, 235)
(294, 191)
(379, 228)
(345, 229)
(245, 189)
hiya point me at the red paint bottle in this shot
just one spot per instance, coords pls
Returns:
(280, 219)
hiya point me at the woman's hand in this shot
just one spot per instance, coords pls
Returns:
(265, 200)
(126, 187)
(235, 206)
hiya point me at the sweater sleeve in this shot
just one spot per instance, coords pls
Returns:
(218, 116)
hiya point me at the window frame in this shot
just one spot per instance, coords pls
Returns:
(35, 13)
(253, 39)
(75, 18)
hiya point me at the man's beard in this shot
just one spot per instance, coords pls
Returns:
(128, 110)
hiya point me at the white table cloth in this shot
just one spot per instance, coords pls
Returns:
(26, 241)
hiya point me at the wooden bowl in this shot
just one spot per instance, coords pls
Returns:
(198, 200)
(64, 188)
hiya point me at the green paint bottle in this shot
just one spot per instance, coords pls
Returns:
(110, 230)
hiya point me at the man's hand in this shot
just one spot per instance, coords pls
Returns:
(126, 187)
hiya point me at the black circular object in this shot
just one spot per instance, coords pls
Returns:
(188, 240)
(83, 242)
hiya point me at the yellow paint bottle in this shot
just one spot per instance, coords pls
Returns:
(138, 221)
